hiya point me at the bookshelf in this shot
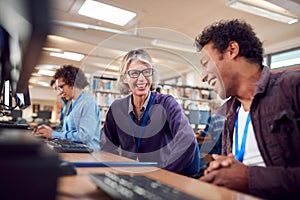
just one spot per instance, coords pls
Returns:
(105, 92)
(195, 102)
(189, 97)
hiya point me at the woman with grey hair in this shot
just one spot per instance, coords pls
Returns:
(146, 125)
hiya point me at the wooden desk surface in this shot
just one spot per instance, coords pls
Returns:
(81, 187)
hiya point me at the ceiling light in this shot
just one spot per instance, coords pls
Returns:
(42, 83)
(262, 10)
(48, 66)
(46, 72)
(106, 12)
(68, 55)
(173, 45)
(52, 49)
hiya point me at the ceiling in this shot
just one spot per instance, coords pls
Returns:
(175, 21)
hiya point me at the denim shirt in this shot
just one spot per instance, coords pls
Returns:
(82, 123)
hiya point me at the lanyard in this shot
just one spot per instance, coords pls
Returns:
(143, 123)
(239, 152)
(69, 111)
(62, 112)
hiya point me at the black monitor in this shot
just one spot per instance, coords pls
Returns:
(45, 115)
(16, 114)
(24, 26)
(198, 116)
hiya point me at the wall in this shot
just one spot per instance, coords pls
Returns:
(43, 96)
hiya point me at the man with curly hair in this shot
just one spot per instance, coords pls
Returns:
(261, 135)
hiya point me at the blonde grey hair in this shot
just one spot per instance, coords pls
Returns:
(138, 54)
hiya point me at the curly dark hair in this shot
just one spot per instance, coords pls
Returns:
(223, 32)
(72, 76)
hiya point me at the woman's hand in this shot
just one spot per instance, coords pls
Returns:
(44, 131)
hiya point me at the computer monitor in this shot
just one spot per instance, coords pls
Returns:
(6, 101)
(16, 114)
(23, 99)
(45, 115)
(23, 32)
(198, 116)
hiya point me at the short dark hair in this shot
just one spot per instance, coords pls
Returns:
(223, 32)
(72, 76)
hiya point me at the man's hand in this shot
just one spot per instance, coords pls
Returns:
(228, 172)
(219, 161)
(44, 131)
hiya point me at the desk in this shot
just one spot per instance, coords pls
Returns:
(81, 187)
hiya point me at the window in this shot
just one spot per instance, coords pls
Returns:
(265, 61)
(285, 59)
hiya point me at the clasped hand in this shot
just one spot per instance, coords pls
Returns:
(228, 172)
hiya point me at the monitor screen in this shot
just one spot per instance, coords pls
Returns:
(15, 114)
(198, 116)
(42, 114)
(6, 96)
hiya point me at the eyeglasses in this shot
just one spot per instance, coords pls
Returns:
(61, 87)
(136, 73)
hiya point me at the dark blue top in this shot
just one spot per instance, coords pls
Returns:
(167, 138)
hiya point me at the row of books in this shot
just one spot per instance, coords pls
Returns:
(105, 99)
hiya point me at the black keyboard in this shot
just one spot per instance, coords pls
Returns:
(67, 146)
(136, 187)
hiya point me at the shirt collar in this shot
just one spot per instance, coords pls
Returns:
(130, 106)
(261, 85)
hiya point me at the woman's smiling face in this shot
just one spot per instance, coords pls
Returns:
(139, 85)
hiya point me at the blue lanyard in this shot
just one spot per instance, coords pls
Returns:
(70, 109)
(145, 118)
(62, 112)
(239, 152)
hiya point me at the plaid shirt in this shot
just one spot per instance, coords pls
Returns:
(214, 127)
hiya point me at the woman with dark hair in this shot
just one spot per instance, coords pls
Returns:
(147, 125)
(82, 122)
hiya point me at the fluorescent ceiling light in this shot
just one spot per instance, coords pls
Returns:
(42, 83)
(173, 45)
(46, 72)
(52, 49)
(48, 66)
(68, 55)
(261, 11)
(106, 12)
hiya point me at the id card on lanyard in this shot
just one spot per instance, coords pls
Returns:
(144, 122)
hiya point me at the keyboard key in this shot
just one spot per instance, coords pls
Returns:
(137, 187)
(67, 146)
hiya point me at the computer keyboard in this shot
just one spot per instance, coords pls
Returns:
(67, 146)
(136, 187)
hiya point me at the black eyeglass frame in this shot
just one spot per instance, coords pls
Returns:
(61, 87)
(140, 72)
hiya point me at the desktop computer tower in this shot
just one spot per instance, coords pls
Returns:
(28, 169)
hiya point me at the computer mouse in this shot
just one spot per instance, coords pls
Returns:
(67, 168)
